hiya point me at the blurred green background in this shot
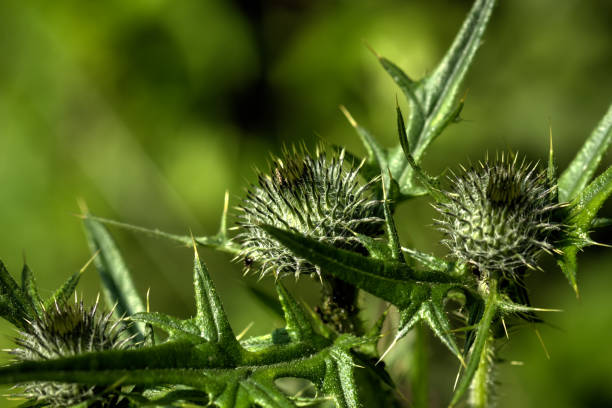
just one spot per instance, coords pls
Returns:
(150, 110)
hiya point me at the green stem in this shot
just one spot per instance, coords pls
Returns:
(483, 333)
(481, 384)
(420, 371)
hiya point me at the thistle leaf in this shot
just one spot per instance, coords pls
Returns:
(427, 260)
(580, 218)
(589, 201)
(339, 380)
(29, 287)
(296, 320)
(177, 328)
(392, 236)
(427, 306)
(15, 304)
(219, 242)
(376, 153)
(65, 291)
(581, 169)
(432, 99)
(262, 393)
(441, 87)
(426, 182)
(210, 315)
(389, 280)
(116, 278)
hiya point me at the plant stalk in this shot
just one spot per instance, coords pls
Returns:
(420, 369)
(480, 390)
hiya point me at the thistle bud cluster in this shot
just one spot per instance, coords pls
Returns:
(499, 215)
(66, 330)
(315, 195)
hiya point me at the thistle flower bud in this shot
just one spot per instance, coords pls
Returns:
(498, 215)
(66, 330)
(317, 196)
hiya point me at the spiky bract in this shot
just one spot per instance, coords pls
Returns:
(498, 215)
(66, 330)
(316, 195)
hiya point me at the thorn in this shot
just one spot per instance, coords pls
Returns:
(575, 287)
(244, 331)
(89, 261)
(591, 242)
(223, 226)
(369, 47)
(516, 363)
(537, 332)
(148, 304)
(195, 244)
(550, 138)
(348, 116)
(393, 343)
(457, 378)
(505, 328)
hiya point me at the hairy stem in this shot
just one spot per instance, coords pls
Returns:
(420, 372)
(480, 390)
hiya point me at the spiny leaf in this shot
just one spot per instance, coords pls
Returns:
(210, 315)
(172, 397)
(177, 328)
(389, 280)
(427, 182)
(432, 100)
(376, 153)
(339, 380)
(169, 363)
(220, 241)
(427, 306)
(263, 393)
(427, 260)
(589, 201)
(29, 287)
(296, 320)
(116, 278)
(579, 172)
(65, 291)
(392, 236)
(15, 304)
(581, 215)
(442, 85)
(476, 351)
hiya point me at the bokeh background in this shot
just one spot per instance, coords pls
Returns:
(150, 110)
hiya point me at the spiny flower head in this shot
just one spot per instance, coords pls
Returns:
(66, 330)
(498, 215)
(316, 195)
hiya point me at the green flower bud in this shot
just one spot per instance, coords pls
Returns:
(66, 330)
(317, 196)
(498, 215)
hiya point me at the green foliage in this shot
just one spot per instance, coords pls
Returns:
(200, 361)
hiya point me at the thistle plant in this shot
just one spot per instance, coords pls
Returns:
(332, 219)
(66, 330)
(499, 215)
(311, 195)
